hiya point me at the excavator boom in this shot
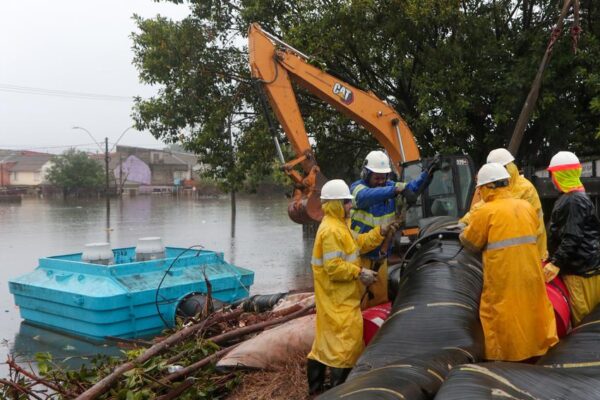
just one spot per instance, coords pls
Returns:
(275, 64)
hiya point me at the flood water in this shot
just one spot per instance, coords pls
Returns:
(266, 241)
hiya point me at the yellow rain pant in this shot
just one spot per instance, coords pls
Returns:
(516, 315)
(585, 295)
(336, 267)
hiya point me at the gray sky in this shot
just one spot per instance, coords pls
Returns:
(74, 46)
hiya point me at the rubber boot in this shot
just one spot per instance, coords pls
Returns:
(315, 372)
(339, 375)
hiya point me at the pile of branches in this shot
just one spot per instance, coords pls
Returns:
(178, 365)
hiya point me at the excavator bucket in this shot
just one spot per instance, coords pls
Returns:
(305, 206)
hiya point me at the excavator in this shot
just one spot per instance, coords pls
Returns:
(275, 65)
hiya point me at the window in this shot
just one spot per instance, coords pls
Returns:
(36, 176)
(13, 176)
(180, 175)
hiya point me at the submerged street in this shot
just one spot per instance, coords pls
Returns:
(265, 241)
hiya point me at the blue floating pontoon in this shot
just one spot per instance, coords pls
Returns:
(95, 301)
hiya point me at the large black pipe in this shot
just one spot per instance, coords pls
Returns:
(433, 326)
(570, 370)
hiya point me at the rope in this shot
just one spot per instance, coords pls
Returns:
(576, 28)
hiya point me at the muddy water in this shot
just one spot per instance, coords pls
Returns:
(265, 241)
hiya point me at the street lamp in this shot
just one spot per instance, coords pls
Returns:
(105, 155)
(106, 175)
(121, 183)
(89, 134)
(120, 137)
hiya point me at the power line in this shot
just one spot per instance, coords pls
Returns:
(25, 147)
(4, 87)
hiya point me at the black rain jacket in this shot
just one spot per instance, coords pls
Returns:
(574, 235)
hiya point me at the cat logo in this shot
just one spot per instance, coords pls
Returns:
(344, 93)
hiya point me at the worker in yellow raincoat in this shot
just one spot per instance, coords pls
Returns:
(520, 188)
(516, 315)
(574, 237)
(337, 273)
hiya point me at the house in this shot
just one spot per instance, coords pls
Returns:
(25, 169)
(168, 168)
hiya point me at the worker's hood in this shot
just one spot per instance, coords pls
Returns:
(488, 194)
(334, 208)
(567, 180)
(514, 174)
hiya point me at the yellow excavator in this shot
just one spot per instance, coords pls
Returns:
(275, 65)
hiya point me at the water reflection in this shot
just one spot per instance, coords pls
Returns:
(68, 350)
(265, 241)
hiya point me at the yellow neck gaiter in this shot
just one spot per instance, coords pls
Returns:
(567, 180)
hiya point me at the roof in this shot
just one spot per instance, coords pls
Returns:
(167, 156)
(29, 163)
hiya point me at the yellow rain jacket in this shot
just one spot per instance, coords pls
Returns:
(522, 189)
(516, 315)
(335, 265)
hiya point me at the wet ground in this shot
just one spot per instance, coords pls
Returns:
(265, 241)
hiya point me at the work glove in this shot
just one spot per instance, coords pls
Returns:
(550, 272)
(410, 197)
(390, 228)
(434, 165)
(367, 276)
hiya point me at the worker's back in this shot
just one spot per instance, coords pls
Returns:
(515, 312)
(511, 222)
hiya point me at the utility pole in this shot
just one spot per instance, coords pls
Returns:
(106, 163)
(121, 183)
(107, 190)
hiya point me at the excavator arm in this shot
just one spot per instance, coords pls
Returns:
(275, 64)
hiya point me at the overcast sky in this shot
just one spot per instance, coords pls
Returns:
(72, 46)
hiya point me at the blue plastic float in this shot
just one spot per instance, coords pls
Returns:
(120, 300)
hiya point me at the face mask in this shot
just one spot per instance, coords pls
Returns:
(567, 180)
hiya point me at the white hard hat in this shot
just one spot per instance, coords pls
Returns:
(335, 189)
(564, 160)
(500, 156)
(377, 161)
(491, 172)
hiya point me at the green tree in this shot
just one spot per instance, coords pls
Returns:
(457, 71)
(75, 173)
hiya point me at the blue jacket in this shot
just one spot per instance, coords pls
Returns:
(377, 205)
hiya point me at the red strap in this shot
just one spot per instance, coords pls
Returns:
(564, 167)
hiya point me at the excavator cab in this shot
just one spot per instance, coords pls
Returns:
(449, 193)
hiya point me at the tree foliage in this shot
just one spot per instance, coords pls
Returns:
(75, 172)
(457, 71)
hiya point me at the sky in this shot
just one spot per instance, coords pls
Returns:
(66, 63)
